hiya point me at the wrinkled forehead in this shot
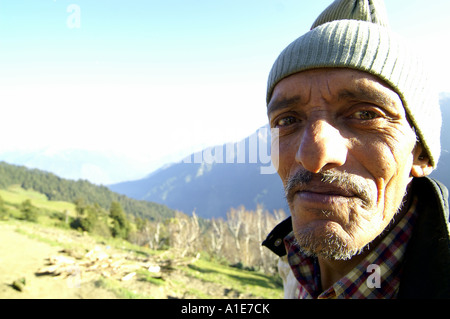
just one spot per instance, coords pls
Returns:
(335, 85)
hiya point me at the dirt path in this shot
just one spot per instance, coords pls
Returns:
(21, 257)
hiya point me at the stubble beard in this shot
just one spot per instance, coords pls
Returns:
(328, 245)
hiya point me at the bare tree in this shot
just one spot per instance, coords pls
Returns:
(234, 222)
(217, 235)
(248, 229)
(237, 239)
(184, 232)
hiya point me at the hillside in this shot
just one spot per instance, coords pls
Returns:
(27, 250)
(47, 259)
(61, 264)
(211, 188)
(56, 188)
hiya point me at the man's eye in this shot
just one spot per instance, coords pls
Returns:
(364, 115)
(286, 121)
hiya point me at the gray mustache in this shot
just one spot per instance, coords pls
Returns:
(343, 180)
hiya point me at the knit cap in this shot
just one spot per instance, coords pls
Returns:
(355, 34)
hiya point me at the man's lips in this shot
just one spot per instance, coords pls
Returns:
(325, 189)
(323, 193)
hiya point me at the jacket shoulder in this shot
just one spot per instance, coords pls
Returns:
(432, 189)
(427, 258)
(274, 241)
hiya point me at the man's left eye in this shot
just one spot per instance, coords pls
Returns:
(364, 115)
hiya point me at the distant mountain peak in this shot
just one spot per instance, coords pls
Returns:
(215, 180)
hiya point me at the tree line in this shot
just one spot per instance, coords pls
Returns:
(235, 239)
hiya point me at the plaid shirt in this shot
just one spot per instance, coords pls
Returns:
(385, 260)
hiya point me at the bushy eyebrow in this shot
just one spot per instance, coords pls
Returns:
(358, 94)
(283, 104)
(364, 94)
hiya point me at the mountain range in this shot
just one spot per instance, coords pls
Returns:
(442, 172)
(214, 180)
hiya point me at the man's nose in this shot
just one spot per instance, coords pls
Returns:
(322, 147)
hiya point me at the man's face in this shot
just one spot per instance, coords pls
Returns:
(346, 152)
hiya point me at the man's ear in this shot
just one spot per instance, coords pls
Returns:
(421, 163)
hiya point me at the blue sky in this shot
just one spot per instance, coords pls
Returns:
(157, 80)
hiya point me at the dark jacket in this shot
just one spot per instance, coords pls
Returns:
(426, 269)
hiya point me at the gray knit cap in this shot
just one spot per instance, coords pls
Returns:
(355, 34)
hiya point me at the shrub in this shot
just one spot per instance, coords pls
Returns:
(4, 214)
(29, 211)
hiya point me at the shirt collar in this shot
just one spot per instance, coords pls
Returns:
(377, 276)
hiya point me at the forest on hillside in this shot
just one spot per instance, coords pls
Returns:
(56, 188)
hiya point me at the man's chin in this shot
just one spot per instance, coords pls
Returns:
(328, 246)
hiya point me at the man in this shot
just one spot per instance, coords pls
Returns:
(357, 126)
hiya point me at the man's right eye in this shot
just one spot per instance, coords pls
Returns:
(285, 121)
